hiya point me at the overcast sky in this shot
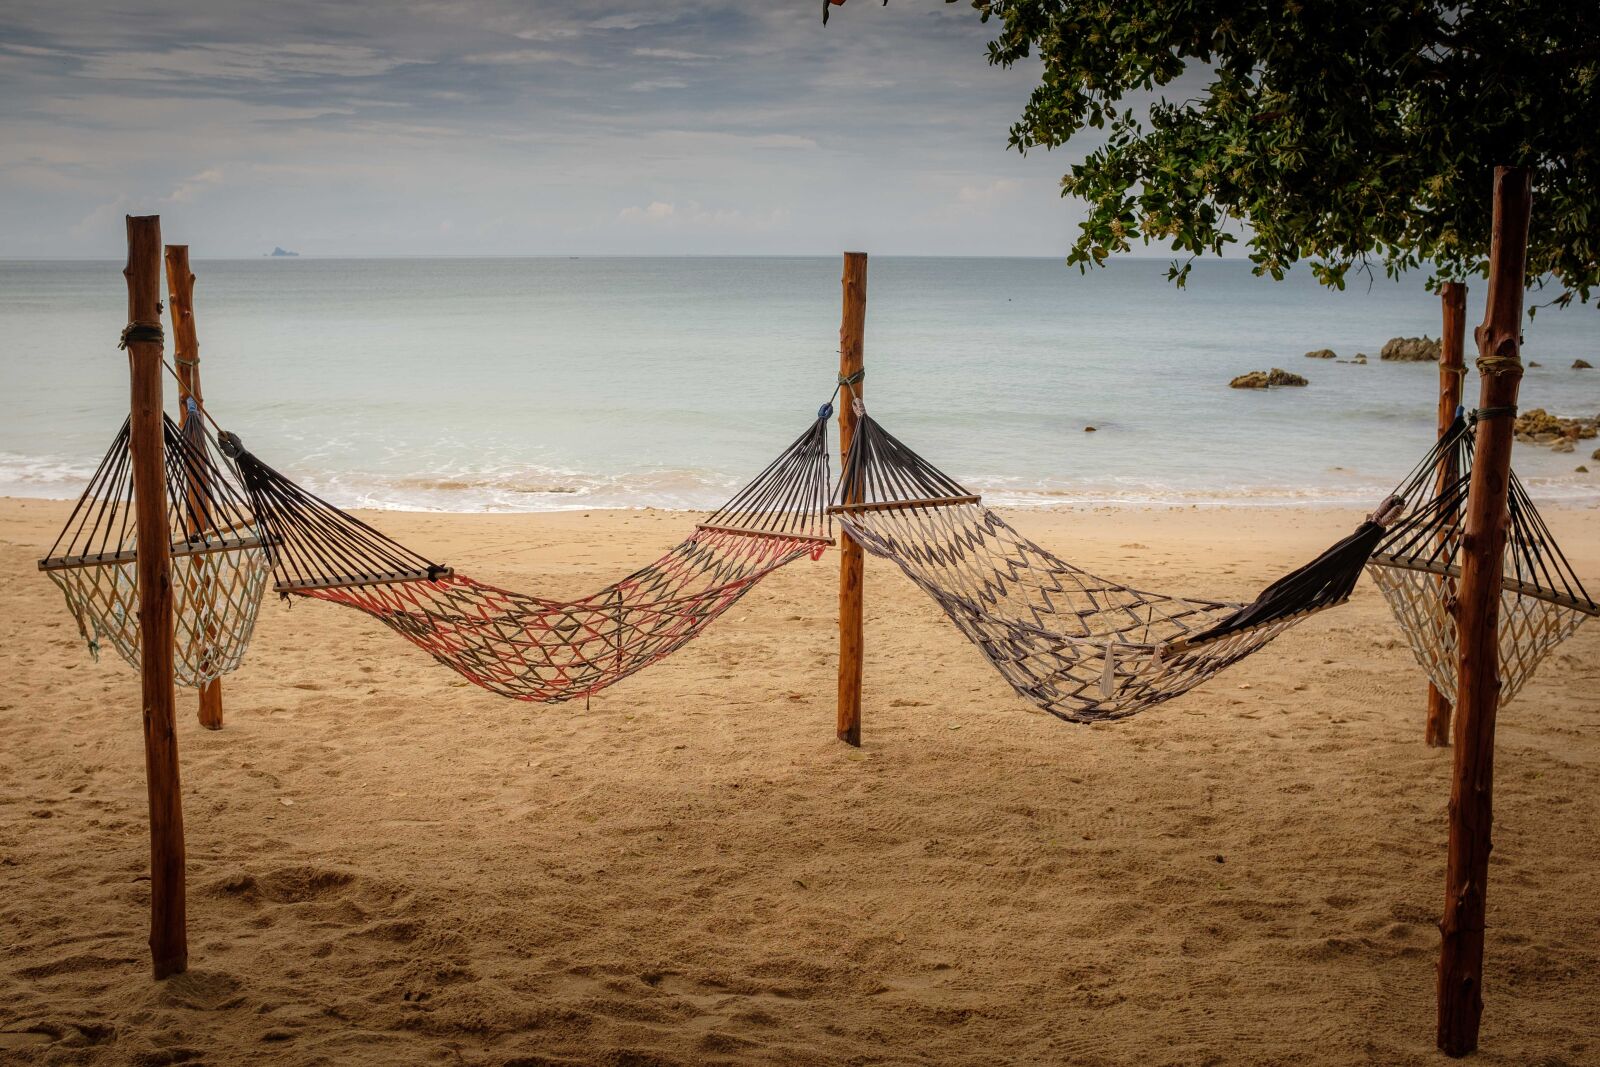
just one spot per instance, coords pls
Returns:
(505, 127)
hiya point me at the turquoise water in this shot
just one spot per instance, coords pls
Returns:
(534, 384)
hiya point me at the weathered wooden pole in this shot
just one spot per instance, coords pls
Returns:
(1452, 367)
(186, 356)
(169, 947)
(1478, 620)
(852, 334)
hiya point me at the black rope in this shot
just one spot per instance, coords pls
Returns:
(1504, 411)
(204, 504)
(880, 469)
(139, 331)
(1431, 533)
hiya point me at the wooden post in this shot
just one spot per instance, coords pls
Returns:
(169, 948)
(186, 357)
(852, 333)
(1452, 367)
(1499, 339)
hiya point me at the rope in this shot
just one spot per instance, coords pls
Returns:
(140, 331)
(1504, 411)
(1498, 364)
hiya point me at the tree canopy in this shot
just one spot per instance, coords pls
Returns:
(1347, 133)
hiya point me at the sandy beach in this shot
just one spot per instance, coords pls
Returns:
(388, 866)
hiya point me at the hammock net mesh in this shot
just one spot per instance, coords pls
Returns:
(533, 648)
(219, 565)
(1418, 565)
(1081, 647)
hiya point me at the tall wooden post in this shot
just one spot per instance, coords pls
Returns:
(1478, 621)
(1452, 367)
(852, 334)
(186, 356)
(169, 947)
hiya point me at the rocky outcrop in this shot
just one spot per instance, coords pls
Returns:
(1410, 350)
(1582, 364)
(1323, 353)
(1267, 379)
(1538, 427)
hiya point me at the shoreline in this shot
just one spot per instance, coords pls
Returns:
(1349, 504)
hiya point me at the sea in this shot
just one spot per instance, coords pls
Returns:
(537, 384)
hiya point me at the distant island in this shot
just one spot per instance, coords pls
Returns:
(276, 251)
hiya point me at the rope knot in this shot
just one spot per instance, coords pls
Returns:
(825, 411)
(1499, 364)
(230, 444)
(1504, 411)
(1392, 508)
(853, 378)
(136, 332)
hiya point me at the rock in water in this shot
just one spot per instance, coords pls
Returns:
(1537, 426)
(1582, 364)
(1323, 353)
(1264, 380)
(1410, 350)
(1533, 364)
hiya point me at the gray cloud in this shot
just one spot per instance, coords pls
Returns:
(479, 126)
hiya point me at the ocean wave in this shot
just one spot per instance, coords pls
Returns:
(524, 488)
(48, 477)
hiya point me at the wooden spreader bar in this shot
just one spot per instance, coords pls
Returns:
(179, 548)
(901, 505)
(776, 535)
(305, 585)
(1510, 585)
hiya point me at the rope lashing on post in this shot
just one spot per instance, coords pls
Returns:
(535, 648)
(1418, 564)
(1081, 647)
(137, 332)
(1504, 411)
